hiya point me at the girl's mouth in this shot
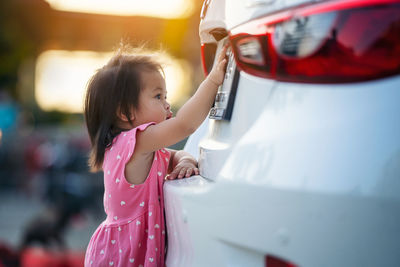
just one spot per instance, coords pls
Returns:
(169, 115)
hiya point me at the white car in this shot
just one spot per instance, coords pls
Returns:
(300, 156)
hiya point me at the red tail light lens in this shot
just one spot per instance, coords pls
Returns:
(271, 261)
(330, 42)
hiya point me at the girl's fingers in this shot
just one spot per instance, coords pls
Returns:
(224, 49)
(189, 172)
(222, 54)
(223, 63)
(181, 173)
(172, 175)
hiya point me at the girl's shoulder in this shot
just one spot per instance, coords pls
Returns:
(132, 132)
(123, 144)
(130, 135)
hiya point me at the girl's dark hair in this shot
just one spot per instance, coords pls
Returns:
(114, 89)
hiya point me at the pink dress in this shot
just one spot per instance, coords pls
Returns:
(133, 233)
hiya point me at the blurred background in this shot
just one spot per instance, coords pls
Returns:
(49, 202)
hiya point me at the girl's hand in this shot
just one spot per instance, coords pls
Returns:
(218, 71)
(188, 118)
(186, 167)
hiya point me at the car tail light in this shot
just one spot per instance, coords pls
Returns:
(271, 261)
(330, 42)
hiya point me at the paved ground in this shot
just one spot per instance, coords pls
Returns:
(16, 209)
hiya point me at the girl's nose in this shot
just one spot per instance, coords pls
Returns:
(167, 106)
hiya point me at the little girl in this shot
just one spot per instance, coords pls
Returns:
(129, 123)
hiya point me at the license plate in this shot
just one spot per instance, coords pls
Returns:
(225, 98)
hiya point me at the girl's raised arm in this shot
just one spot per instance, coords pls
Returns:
(190, 115)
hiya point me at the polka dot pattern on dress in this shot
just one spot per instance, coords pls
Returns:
(135, 226)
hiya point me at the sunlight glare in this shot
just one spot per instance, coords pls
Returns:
(61, 78)
(153, 8)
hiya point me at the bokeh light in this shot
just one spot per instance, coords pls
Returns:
(62, 76)
(152, 8)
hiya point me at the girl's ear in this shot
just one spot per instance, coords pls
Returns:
(123, 117)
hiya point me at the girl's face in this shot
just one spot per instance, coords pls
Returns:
(153, 105)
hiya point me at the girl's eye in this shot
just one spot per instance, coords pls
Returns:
(158, 96)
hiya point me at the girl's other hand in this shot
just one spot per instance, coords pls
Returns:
(218, 71)
(186, 167)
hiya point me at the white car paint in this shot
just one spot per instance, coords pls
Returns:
(309, 173)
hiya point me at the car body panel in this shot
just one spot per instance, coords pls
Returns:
(311, 229)
(308, 173)
(350, 130)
